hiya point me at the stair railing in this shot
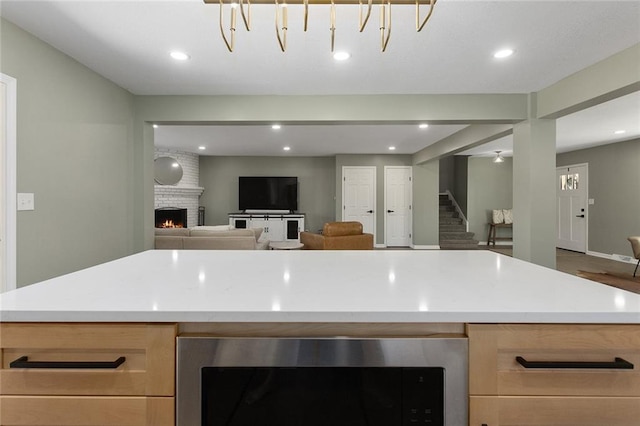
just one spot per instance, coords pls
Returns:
(458, 209)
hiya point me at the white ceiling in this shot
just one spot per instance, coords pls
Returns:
(128, 42)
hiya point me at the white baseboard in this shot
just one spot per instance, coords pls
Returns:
(419, 247)
(498, 243)
(617, 257)
(379, 246)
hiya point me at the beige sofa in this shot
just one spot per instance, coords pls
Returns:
(209, 238)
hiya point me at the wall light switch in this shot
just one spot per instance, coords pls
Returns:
(591, 201)
(26, 201)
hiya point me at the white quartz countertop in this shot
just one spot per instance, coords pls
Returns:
(320, 286)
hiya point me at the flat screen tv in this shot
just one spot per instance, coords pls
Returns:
(268, 193)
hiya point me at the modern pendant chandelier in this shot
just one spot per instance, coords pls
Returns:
(282, 25)
(499, 158)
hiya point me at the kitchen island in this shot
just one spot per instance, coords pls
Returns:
(506, 307)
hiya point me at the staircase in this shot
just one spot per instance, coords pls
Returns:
(453, 232)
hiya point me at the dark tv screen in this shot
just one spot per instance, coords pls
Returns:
(268, 193)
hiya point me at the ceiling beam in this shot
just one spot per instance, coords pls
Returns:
(616, 76)
(467, 138)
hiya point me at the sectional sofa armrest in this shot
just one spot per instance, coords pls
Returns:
(349, 242)
(312, 241)
(168, 242)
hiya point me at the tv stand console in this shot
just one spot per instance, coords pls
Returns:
(276, 226)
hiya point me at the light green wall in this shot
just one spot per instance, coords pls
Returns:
(447, 173)
(426, 204)
(460, 187)
(316, 185)
(614, 185)
(74, 152)
(490, 186)
(379, 161)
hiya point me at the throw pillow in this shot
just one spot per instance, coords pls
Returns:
(258, 232)
(508, 216)
(498, 216)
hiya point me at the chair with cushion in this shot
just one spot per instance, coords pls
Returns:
(635, 246)
(338, 236)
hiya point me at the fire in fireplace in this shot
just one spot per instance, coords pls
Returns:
(171, 217)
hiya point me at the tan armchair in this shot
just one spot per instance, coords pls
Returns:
(635, 246)
(338, 236)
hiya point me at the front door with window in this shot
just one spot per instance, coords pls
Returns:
(571, 183)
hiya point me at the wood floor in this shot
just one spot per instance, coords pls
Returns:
(572, 262)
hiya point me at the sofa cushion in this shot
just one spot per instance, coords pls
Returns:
(258, 232)
(223, 234)
(337, 229)
(213, 228)
(175, 232)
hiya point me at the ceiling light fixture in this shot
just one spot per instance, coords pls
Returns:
(423, 126)
(341, 56)
(499, 158)
(202, 148)
(287, 148)
(282, 25)
(504, 53)
(619, 132)
(276, 127)
(392, 148)
(179, 56)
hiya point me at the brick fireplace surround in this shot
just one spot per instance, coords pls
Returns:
(186, 194)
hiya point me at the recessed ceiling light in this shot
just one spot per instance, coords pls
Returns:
(286, 148)
(202, 148)
(276, 127)
(392, 148)
(179, 56)
(619, 132)
(504, 53)
(341, 56)
(423, 126)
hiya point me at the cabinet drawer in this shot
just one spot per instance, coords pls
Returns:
(494, 370)
(557, 411)
(86, 411)
(148, 369)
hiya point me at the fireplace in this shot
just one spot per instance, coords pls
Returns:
(171, 217)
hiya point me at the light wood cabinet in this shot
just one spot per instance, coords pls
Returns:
(504, 392)
(140, 391)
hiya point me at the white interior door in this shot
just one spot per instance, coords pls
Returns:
(8, 103)
(359, 196)
(397, 200)
(572, 217)
(3, 196)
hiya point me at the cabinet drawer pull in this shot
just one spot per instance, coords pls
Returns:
(618, 364)
(23, 362)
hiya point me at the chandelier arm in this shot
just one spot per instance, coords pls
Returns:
(306, 14)
(385, 24)
(366, 19)
(232, 29)
(246, 19)
(333, 24)
(419, 26)
(282, 40)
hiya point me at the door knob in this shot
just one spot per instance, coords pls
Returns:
(369, 211)
(580, 215)
(389, 211)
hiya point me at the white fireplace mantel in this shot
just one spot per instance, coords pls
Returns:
(184, 191)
